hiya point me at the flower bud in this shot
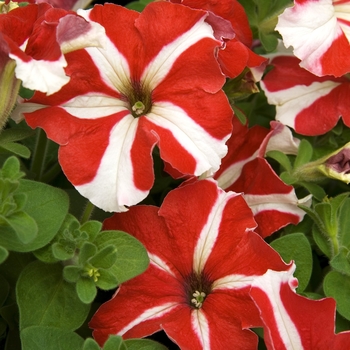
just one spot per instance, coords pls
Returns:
(337, 164)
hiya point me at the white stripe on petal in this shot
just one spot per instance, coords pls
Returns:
(160, 66)
(342, 11)
(160, 264)
(210, 231)
(112, 65)
(290, 102)
(153, 313)
(270, 284)
(94, 106)
(113, 186)
(206, 150)
(233, 172)
(233, 282)
(201, 328)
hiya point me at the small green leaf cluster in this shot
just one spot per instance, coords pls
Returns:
(89, 260)
(332, 236)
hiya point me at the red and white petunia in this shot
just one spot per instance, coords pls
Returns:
(36, 38)
(319, 32)
(157, 83)
(292, 321)
(245, 170)
(204, 257)
(309, 104)
(236, 53)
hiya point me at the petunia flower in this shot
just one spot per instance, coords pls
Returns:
(236, 55)
(292, 321)
(244, 169)
(319, 31)
(158, 83)
(204, 257)
(36, 38)
(309, 104)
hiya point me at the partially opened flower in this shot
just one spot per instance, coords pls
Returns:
(236, 54)
(292, 321)
(36, 38)
(156, 83)
(244, 169)
(309, 104)
(204, 257)
(319, 31)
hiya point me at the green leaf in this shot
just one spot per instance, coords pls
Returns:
(281, 158)
(48, 206)
(60, 252)
(322, 241)
(316, 190)
(87, 251)
(143, 344)
(11, 169)
(288, 178)
(239, 114)
(86, 290)
(305, 152)
(90, 344)
(105, 258)
(114, 342)
(92, 228)
(337, 286)
(72, 273)
(340, 262)
(24, 226)
(16, 148)
(132, 258)
(296, 247)
(269, 41)
(45, 299)
(106, 280)
(3, 254)
(50, 338)
(344, 223)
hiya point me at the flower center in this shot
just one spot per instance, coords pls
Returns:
(139, 98)
(197, 288)
(198, 299)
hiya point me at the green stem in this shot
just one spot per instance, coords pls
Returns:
(87, 212)
(38, 159)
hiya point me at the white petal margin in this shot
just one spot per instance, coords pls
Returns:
(290, 102)
(201, 327)
(160, 66)
(270, 283)
(206, 150)
(113, 187)
(210, 231)
(45, 76)
(150, 314)
(310, 28)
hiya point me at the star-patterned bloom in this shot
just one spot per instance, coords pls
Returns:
(319, 32)
(309, 104)
(204, 257)
(157, 84)
(285, 327)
